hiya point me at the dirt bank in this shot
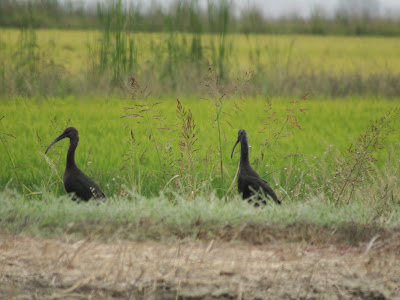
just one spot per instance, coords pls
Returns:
(37, 268)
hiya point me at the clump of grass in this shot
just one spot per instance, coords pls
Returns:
(143, 111)
(227, 99)
(4, 138)
(188, 160)
(356, 166)
(277, 126)
(344, 177)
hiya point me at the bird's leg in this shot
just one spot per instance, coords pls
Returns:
(74, 198)
(254, 199)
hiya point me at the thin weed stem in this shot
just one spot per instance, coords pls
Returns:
(14, 167)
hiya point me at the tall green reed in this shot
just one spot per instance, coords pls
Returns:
(219, 16)
(115, 54)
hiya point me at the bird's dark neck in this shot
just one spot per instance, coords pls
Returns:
(244, 151)
(73, 143)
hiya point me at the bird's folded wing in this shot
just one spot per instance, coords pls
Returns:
(259, 183)
(87, 187)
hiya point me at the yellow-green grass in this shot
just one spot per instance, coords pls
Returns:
(364, 55)
(158, 218)
(104, 139)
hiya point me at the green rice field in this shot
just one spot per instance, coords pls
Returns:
(364, 55)
(61, 63)
(154, 158)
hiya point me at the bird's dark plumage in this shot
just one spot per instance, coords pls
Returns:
(249, 182)
(75, 181)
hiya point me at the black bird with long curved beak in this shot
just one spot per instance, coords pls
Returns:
(249, 182)
(75, 181)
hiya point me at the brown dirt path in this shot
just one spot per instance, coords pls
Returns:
(37, 268)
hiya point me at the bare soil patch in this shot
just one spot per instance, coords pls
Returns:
(37, 268)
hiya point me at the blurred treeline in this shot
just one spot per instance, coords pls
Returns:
(351, 17)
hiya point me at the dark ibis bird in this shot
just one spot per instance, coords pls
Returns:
(75, 181)
(250, 184)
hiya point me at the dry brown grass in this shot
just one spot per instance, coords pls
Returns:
(34, 268)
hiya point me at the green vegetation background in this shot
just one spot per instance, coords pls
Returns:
(158, 114)
(186, 15)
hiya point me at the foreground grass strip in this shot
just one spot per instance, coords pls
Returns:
(205, 218)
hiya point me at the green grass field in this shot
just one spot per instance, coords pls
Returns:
(106, 148)
(141, 142)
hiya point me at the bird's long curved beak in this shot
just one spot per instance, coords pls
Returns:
(234, 147)
(55, 141)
